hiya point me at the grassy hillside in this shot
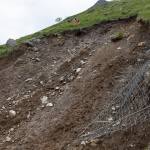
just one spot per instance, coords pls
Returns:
(111, 11)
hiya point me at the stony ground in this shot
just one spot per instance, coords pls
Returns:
(51, 91)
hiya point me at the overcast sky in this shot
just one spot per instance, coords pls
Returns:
(22, 17)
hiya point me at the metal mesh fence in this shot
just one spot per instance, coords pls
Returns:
(129, 107)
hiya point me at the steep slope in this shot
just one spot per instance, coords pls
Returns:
(54, 86)
(58, 86)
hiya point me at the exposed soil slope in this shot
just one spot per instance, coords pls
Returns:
(78, 72)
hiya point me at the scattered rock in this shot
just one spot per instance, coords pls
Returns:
(62, 79)
(53, 94)
(83, 143)
(113, 108)
(141, 44)
(11, 129)
(78, 70)
(116, 124)
(122, 80)
(49, 105)
(12, 113)
(29, 79)
(8, 99)
(36, 40)
(147, 77)
(140, 60)
(42, 82)
(29, 114)
(44, 100)
(36, 59)
(71, 78)
(35, 49)
(93, 144)
(8, 139)
(110, 119)
(11, 42)
(119, 48)
(57, 88)
(3, 107)
(29, 44)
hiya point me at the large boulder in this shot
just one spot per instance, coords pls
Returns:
(11, 42)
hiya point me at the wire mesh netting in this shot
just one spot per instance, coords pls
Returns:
(130, 106)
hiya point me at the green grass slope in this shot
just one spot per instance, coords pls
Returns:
(111, 11)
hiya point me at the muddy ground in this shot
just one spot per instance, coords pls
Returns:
(57, 87)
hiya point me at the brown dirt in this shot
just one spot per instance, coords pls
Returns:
(80, 97)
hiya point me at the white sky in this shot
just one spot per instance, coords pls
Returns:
(22, 17)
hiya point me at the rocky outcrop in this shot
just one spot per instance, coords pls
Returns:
(11, 42)
(101, 2)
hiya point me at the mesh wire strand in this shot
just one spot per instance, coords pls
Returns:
(130, 106)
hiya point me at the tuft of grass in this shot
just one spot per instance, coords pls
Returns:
(4, 50)
(117, 9)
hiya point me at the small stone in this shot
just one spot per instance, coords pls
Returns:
(29, 44)
(35, 49)
(61, 79)
(93, 144)
(26, 96)
(78, 70)
(44, 100)
(8, 139)
(12, 113)
(116, 124)
(11, 129)
(29, 79)
(3, 107)
(131, 145)
(119, 48)
(117, 106)
(57, 88)
(83, 143)
(110, 119)
(113, 108)
(37, 59)
(82, 62)
(41, 82)
(29, 114)
(122, 80)
(71, 78)
(49, 105)
(53, 94)
(141, 44)
(9, 98)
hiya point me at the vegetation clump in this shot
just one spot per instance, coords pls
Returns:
(117, 36)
